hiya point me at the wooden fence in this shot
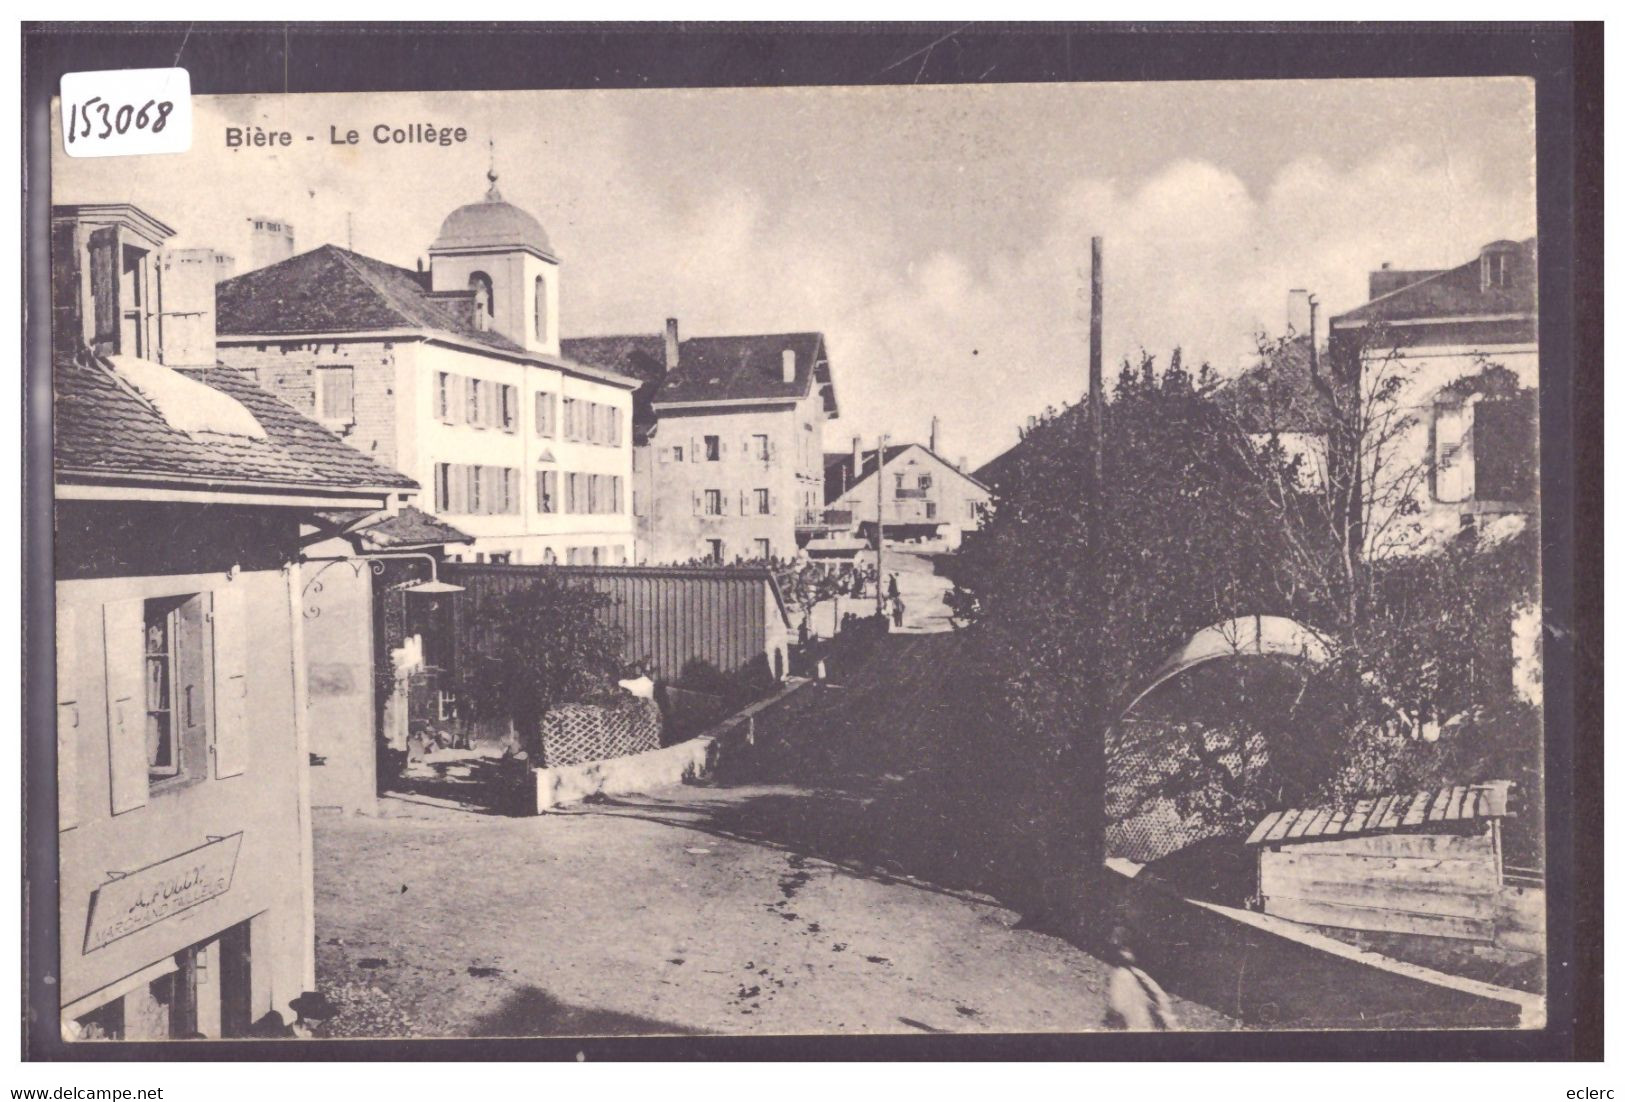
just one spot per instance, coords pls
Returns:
(682, 623)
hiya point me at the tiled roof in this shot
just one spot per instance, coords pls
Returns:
(725, 368)
(643, 357)
(411, 527)
(333, 290)
(105, 429)
(709, 368)
(1457, 293)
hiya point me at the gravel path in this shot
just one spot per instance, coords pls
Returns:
(645, 917)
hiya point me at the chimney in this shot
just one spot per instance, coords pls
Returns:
(1297, 312)
(789, 360)
(857, 458)
(671, 344)
(936, 435)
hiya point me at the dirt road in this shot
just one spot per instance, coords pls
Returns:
(787, 895)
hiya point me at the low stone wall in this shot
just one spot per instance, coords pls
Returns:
(685, 761)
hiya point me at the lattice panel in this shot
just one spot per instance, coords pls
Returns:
(576, 733)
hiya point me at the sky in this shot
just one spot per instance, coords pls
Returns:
(938, 236)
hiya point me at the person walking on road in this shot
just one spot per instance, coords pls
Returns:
(1134, 1000)
(891, 588)
(897, 611)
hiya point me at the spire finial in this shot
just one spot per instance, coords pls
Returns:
(492, 195)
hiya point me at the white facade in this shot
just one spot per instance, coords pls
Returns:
(541, 526)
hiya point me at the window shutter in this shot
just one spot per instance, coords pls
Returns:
(1449, 460)
(696, 496)
(67, 719)
(124, 648)
(104, 288)
(230, 682)
(694, 454)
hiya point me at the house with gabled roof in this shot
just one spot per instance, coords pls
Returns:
(454, 374)
(921, 495)
(184, 497)
(1466, 340)
(728, 463)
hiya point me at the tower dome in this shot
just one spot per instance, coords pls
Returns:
(491, 225)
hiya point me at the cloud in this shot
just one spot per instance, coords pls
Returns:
(948, 272)
(1193, 259)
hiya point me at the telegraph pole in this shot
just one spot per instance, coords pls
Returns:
(1091, 765)
(880, 528)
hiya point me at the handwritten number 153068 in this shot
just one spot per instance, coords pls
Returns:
(84, 118)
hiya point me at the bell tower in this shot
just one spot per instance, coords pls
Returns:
(502, 254)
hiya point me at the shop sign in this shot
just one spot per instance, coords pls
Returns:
(147, 896)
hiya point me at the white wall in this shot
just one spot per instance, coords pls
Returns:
(528, 534)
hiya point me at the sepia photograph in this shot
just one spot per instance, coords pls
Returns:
(836, 561)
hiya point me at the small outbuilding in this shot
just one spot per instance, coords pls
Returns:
(1415, 863)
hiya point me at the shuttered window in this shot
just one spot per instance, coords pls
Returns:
(1450, 469)
(230, 682)
(68, 688)
(123, 628)
(335, 394)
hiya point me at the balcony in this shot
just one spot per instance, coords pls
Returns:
(822, 519)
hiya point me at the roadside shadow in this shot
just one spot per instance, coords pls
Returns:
(478, 785)
(532, 1012)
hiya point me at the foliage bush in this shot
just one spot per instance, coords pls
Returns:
(542, 645)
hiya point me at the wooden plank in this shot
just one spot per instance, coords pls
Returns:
(1390, 818)
(1396, 890)
(1336, 825)
(1369, 918)
(1520, 921)
(1263, 828)
(1431, 846)
(1453, 811)
(1318, 826)
(1440, 803)
(1357, 818)
(1466, 873)
(1470, 805)
(1418, 810)
(1280, 828)
(1479, 908)
(1305, 817)
(1378, 810)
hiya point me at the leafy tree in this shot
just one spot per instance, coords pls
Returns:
(541, 644)
(1211, 515)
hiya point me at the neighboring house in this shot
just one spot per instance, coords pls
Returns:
(730, 436)
(1476, 430)
(183, 496)
(361, 600)
(922, 495)
(453, 375)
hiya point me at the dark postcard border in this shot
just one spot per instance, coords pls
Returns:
(1566, 62)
